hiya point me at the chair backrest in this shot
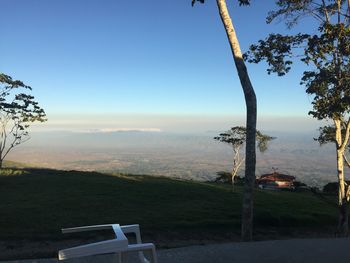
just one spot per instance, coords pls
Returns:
(119, 244)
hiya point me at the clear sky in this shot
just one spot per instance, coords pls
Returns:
(140, 58)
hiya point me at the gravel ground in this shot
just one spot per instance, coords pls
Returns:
(286, 251)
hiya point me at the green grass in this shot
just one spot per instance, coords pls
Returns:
(16, 165)
(36, 203)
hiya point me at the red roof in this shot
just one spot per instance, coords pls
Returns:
(276, 177)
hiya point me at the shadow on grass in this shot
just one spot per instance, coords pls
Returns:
(37, 203)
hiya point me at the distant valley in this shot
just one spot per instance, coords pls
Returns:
(187, 156)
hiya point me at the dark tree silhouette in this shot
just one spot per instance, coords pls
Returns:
(17, 111)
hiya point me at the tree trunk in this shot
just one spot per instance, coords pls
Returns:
(343, 218)
(236, 165)
(233, 176)
(250, 99)
(233, 180)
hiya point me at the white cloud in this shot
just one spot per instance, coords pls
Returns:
(108, 130)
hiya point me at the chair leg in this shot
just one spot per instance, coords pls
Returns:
(118, 257)
(124, 257)
(142, 258)
(154, 256)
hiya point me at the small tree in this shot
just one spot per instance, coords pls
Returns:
(236, 138)
(17, 111)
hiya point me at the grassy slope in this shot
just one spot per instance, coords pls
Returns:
(9, 164)
(38, 203)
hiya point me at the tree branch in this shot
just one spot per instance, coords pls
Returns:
(346, 160)
(348, 193)
(346, 136)
(325, 10)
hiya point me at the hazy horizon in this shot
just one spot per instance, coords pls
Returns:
(188, 156)
(179, 123)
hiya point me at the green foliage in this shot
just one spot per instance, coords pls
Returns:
(17, 111)
(10, 172)
(277, 50)
(327, 54)
(236, 137)
(331, 188)
(326, 135)
(329, 82)
(291, 11)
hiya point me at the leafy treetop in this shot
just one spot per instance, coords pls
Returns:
(236, 137)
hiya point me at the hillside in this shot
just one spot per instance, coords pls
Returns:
(37, 203)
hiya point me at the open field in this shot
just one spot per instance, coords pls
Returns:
(37, 203)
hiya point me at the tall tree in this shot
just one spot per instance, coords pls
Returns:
(17, 111)
(326, 56)
(251, 117)
(236, 138)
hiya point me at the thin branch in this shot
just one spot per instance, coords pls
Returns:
(346, 136)
(348, 12)
(346, 160)
(326, 11)
(339, 9)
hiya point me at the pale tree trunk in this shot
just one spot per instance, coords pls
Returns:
(233, 176)
(343, 202)
(250, 99)
(341, 140)
(237, 162)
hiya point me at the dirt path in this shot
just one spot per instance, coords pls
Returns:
(287, 251)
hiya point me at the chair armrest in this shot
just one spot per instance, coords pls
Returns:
(130, 228)
(103, 247)
(135, 229)
(86, 228)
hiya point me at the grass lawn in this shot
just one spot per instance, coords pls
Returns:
(37, 203)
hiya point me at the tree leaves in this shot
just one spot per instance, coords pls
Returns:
(236, 137)
(292, 11)
(277, 50)
(17, 111)
(326, 53)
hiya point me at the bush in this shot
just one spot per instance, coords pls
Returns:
(331, 188)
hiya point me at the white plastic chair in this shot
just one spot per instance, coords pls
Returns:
(119, 245)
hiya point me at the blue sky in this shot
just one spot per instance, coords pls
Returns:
(90, 58)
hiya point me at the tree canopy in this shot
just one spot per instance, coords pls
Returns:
(17, 111)
(326, 56)
(236, 136)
